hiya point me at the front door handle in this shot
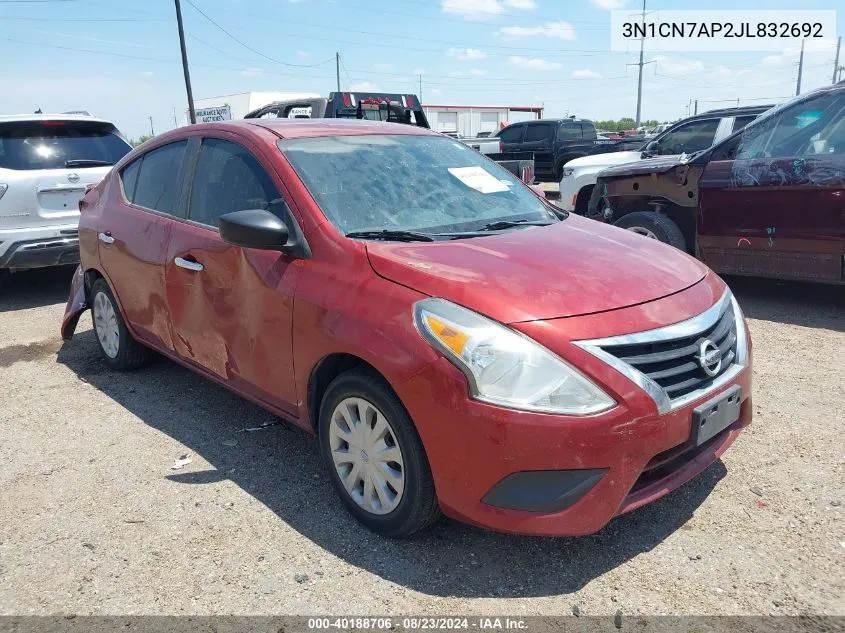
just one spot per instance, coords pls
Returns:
(105, 238)
(187, 264)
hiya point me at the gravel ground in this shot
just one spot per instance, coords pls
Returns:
(94, 521)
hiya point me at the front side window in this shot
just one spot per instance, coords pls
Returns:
(60, 144)
(159, 181)
(686, 139)
(797, 130)
(511, 134)
(741, 121)
(228, 178)
(416, 183)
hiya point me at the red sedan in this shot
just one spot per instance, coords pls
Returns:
(456, 343)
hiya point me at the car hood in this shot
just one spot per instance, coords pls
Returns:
(577, 266)
(658, 165)
(608, 159)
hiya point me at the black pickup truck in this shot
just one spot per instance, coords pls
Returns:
(553, 142)
(394, 108)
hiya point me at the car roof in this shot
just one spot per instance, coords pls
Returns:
(34, 118)
(308, 128)
(757, 109)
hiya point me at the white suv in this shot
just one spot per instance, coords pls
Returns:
(46, 162)
(690, 135)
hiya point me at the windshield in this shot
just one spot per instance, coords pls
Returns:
(51, 144)
(427, 184)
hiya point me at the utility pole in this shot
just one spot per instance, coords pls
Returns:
(337, 69)
(152, 131)
(185, 62)
(640, 79)
(696, 107)
(800, 70)
(420, 89)
(175, 122)
(836, 63)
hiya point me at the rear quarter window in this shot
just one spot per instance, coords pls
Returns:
(128, 179)
(159, 179)
(29, 145)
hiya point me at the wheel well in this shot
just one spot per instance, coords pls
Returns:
(684, 217)
(583, 199)
(91, 276)
(321, 377)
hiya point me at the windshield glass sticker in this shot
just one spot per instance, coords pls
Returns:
(479, 179)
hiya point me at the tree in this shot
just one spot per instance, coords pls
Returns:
(140, 140)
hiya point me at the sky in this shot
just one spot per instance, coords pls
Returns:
(120, 59)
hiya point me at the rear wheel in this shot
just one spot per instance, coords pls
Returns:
(119, 350)
(655, 226)
(374, 455)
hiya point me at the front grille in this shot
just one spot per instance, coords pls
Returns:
(674, 364)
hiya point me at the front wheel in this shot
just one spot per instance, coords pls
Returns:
(374, 455)
(655, 226)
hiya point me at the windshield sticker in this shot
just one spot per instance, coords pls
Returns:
(479, 179)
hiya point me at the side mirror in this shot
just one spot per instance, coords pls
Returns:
(650, 149)
(254, 228)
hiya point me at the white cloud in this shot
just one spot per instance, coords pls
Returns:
(477, 72)
(252, 72)
(456, 73)
(146, 73)
(609, 4)
(791, 54)
(303, 54)
(674, 66)
(466, 54)
(364, 86)
(476, 9)
(585, 74)
(560, 29)
(418, 71)
(436, 92)
(385, 67)
(534, 63)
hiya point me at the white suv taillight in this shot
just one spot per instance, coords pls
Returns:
(3, 189)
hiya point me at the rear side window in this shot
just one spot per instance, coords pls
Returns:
(588, 131)
(158, 182)
(228, 178)
(537, 132)
(569, 132)
(129, 177)
(27, 145)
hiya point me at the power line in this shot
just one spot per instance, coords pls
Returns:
(345, 71)
(247, 46)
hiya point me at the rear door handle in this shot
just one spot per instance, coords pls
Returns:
(105, 238)
(187, 264)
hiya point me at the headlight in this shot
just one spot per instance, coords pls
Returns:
(568, 171)
(504, 367)
(741, 337)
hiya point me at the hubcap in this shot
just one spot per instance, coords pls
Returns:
(641, 230)
(105, 324)
(367, 456)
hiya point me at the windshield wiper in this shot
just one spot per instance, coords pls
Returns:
(507, 224)
(87, 162)
(393, 236)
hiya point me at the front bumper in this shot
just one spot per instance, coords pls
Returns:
(582, 471)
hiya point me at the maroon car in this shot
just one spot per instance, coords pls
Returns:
(768, 201)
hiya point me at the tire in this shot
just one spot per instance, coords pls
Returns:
(110, 331)
(394, 513)
(654, 225)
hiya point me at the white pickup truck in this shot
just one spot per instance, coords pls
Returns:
(687, 136)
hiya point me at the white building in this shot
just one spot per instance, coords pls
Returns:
(235, 106)
(470, 121)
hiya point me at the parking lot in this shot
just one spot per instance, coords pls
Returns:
(94, 520)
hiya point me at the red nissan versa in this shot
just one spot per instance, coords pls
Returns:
(455, 342)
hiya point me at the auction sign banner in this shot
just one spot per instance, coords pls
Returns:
(722, 30)
(210, 115)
